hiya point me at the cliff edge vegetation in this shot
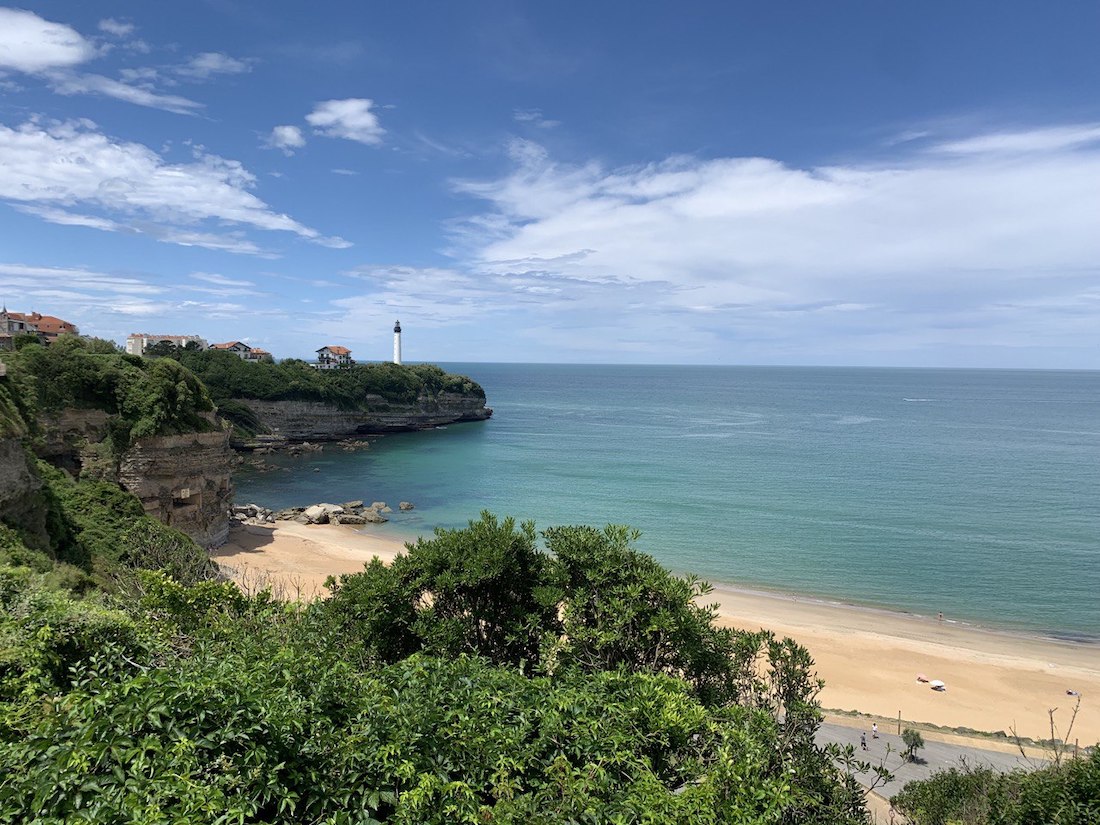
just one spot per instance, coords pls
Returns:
(349, 388)
(478, 679)
(140, 397)
(291, 400)
(75, 419)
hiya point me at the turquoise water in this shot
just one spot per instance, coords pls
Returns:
(972, 492)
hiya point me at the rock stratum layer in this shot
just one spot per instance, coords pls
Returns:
(316, 421)
(183, 481)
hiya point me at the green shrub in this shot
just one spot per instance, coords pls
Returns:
(227, 376)
(1063, 794)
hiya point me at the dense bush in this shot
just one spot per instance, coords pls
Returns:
(1067, 793)
(143, 397)
(227, 376)
(442, 689)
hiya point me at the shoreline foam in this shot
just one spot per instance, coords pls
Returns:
(868, 656)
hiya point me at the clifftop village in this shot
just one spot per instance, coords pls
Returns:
(46, 328)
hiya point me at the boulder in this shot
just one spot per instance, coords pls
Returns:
(353, 505)
(373, 516)
(349, 518)
(407, 505)
(378, 505)
(322, 513)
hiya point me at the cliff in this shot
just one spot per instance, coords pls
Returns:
(147, 426)
(20, 503)
(183, 480)
(316, 421)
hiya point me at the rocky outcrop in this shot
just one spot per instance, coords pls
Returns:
(184, 481)
(19, 485)
(67, 439)
(315, 421)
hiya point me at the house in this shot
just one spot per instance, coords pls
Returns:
(46, 327)
(51, 326)
(332, 357)
(242, 350)
(138, 342)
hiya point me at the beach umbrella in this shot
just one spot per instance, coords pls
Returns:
(921, 677)
(936, 684)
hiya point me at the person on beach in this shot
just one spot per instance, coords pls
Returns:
(874, 730)
(863, 741)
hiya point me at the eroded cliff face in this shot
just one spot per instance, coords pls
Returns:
(182, 480)
(19, 486)
(314, 421)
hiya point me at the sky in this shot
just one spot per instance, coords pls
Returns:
(857, 183)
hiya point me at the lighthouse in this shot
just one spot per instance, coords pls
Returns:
(397, 342)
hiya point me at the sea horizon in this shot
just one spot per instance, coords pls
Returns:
(916, 490)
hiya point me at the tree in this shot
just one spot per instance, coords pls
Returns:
(913, 742)
(621, 609)
(162, 349)
(483, 590)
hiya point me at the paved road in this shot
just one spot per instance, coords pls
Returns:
(935, 755)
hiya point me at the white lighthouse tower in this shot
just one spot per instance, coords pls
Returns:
(397, 342)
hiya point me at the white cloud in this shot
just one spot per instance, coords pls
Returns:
(346, 172)
(351, 119)
(220, 280)
(143, 75)
(69, 164)
(68, 83)
(26, 276)
(52, 51)
(1035, 140)
(924, 250)
(30, 44)
(208, 64)
(286, 139)
(535, 118)
(114, 27)
(67, 218)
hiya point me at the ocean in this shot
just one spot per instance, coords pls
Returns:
(975, 493)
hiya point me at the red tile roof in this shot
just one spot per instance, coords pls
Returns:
(337, 350)
(51, 324)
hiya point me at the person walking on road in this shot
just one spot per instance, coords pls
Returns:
(874, 730)
(863, 741)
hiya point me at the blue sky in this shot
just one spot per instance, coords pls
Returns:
(865, 183)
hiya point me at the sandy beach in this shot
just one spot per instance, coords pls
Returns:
(868, 658)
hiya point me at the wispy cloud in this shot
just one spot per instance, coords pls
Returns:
(922, 250)
(206, 65)
(117, 28)
(1051, 139)
(69, 83)
(53, 51)
(59, 166)
(534, 117)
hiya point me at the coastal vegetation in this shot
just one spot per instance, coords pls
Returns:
(489, 674)
(141, 397)
(1064, 793)
(227, 376)
(478, 679)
